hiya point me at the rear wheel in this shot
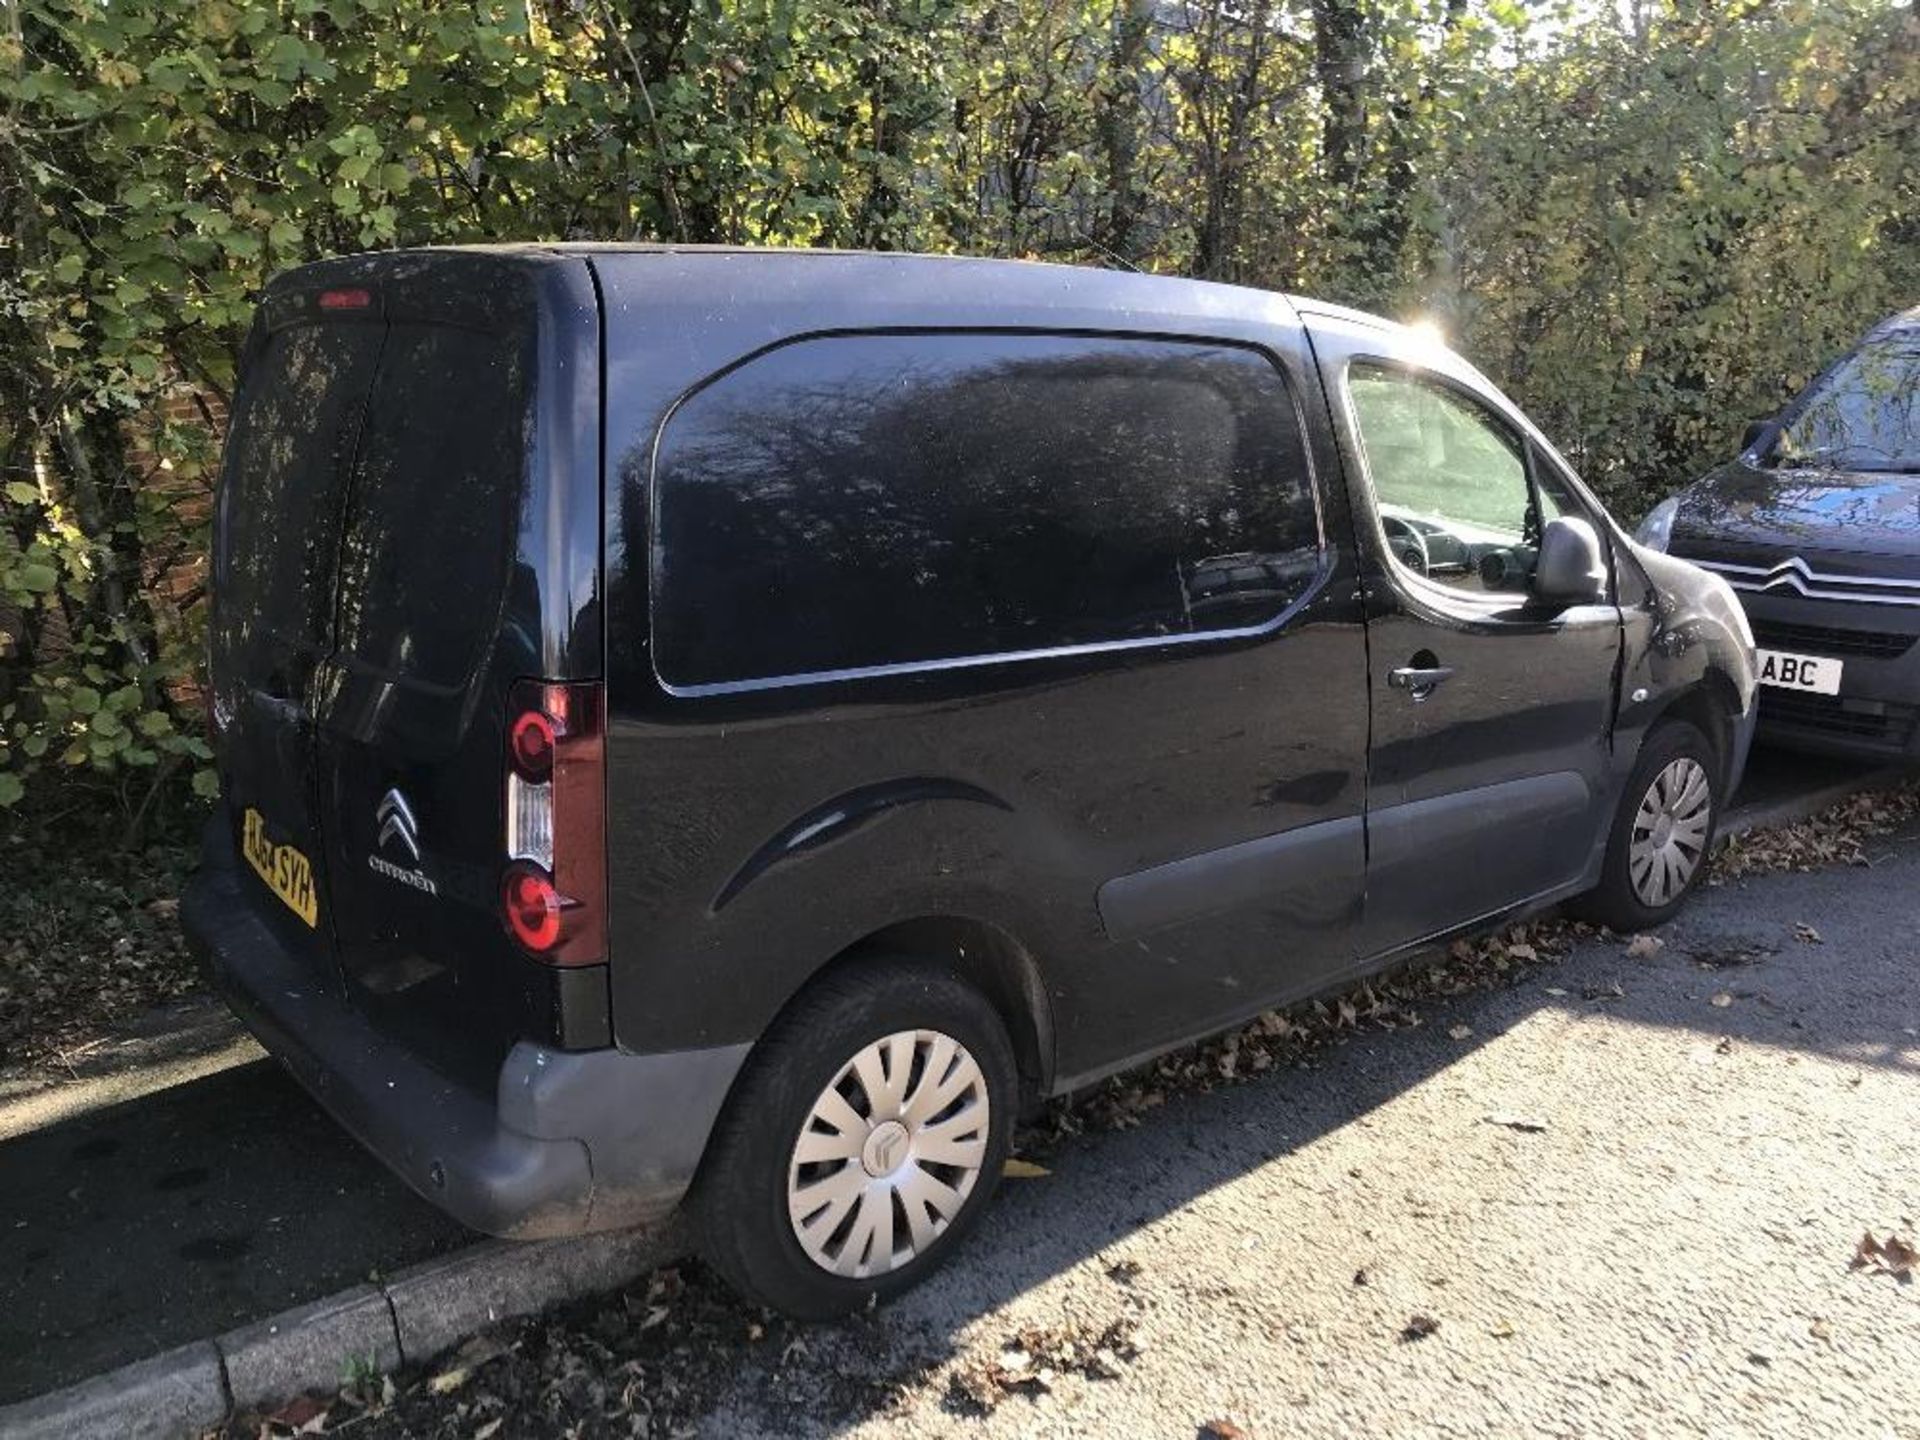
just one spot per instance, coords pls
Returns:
(862, 1143)
(1663, 832)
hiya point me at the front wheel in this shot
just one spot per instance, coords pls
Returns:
(863, 1141)
(1663, 833)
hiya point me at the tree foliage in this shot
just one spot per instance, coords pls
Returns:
(1650, 223)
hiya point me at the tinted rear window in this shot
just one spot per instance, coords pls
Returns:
(435, 501)
(293, 432)
(858, 501)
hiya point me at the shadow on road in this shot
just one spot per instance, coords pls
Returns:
(170, 1217)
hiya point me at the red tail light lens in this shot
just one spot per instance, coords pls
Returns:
(553, 893)
(531, 741)
(345, 299)
(534, 908)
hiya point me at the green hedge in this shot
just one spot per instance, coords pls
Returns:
(1648, 236)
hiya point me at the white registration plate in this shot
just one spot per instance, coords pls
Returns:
(1819, 674)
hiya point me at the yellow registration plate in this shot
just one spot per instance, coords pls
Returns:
(287, 872)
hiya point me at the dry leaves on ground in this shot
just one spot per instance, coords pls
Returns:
(1418, 1327)
(302, 1415)
(1036, 1356)
(1279, 1039)
(1733, 955)
(1525, 1124)
(1891, 1256)
(89, 938)
(1838, 835)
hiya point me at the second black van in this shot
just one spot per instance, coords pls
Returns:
(751, 722)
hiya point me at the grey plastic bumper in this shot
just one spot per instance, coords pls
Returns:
(571, 1142)
(1744, 727)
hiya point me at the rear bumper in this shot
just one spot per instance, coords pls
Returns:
(571, 1141)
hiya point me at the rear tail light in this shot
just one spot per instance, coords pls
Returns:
(553, 891)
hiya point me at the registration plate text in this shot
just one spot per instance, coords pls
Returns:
(288, 873)
(1819, 674)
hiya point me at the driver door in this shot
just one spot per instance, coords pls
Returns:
(1492, 715)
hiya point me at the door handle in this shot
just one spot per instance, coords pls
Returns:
(1419, 681)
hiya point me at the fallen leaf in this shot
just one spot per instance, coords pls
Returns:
(302, 1415)
(1720, 1000)
(1460, 1032)
(1418, 1328)
(1035, 1356)
(1891, 1256)
(1522, 1123)
(1222, 1430)
(476, 1351)
(1502, 1330)
(1644, 947)
(490, 1429)
(1018, 1169)
(1806, 934)
(1728, 957)
(1361, 1278)
(1556, 992)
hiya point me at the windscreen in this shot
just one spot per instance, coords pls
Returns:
(1865, 415)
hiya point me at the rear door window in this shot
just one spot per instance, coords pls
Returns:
(292, 441)
(852, 502)
(423, 567)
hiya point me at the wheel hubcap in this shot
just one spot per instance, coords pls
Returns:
(888, 1154)
(886, 1147)
(1670, 831)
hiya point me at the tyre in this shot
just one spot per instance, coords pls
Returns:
(862, 1142)
(1663, 833)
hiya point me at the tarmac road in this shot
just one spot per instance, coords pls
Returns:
(172, 1200)
(1667, 1253)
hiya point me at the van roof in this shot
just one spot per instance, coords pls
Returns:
(1170, 292)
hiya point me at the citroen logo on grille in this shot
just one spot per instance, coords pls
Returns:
(396, 822)
(1791, 574)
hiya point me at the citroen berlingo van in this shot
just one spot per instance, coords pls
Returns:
(737, 726)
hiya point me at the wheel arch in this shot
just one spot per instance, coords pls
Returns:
(986, 957)
(1711, 705)
(989, 959)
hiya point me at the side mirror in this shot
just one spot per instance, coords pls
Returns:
(1756, 432)
(1572, 569)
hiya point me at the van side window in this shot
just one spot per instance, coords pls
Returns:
(1451, 481)
(869, 500)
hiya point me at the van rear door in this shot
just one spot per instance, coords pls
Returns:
(295, 426)
(411, 737)
(427, 589)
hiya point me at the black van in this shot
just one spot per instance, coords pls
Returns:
(754, 721)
